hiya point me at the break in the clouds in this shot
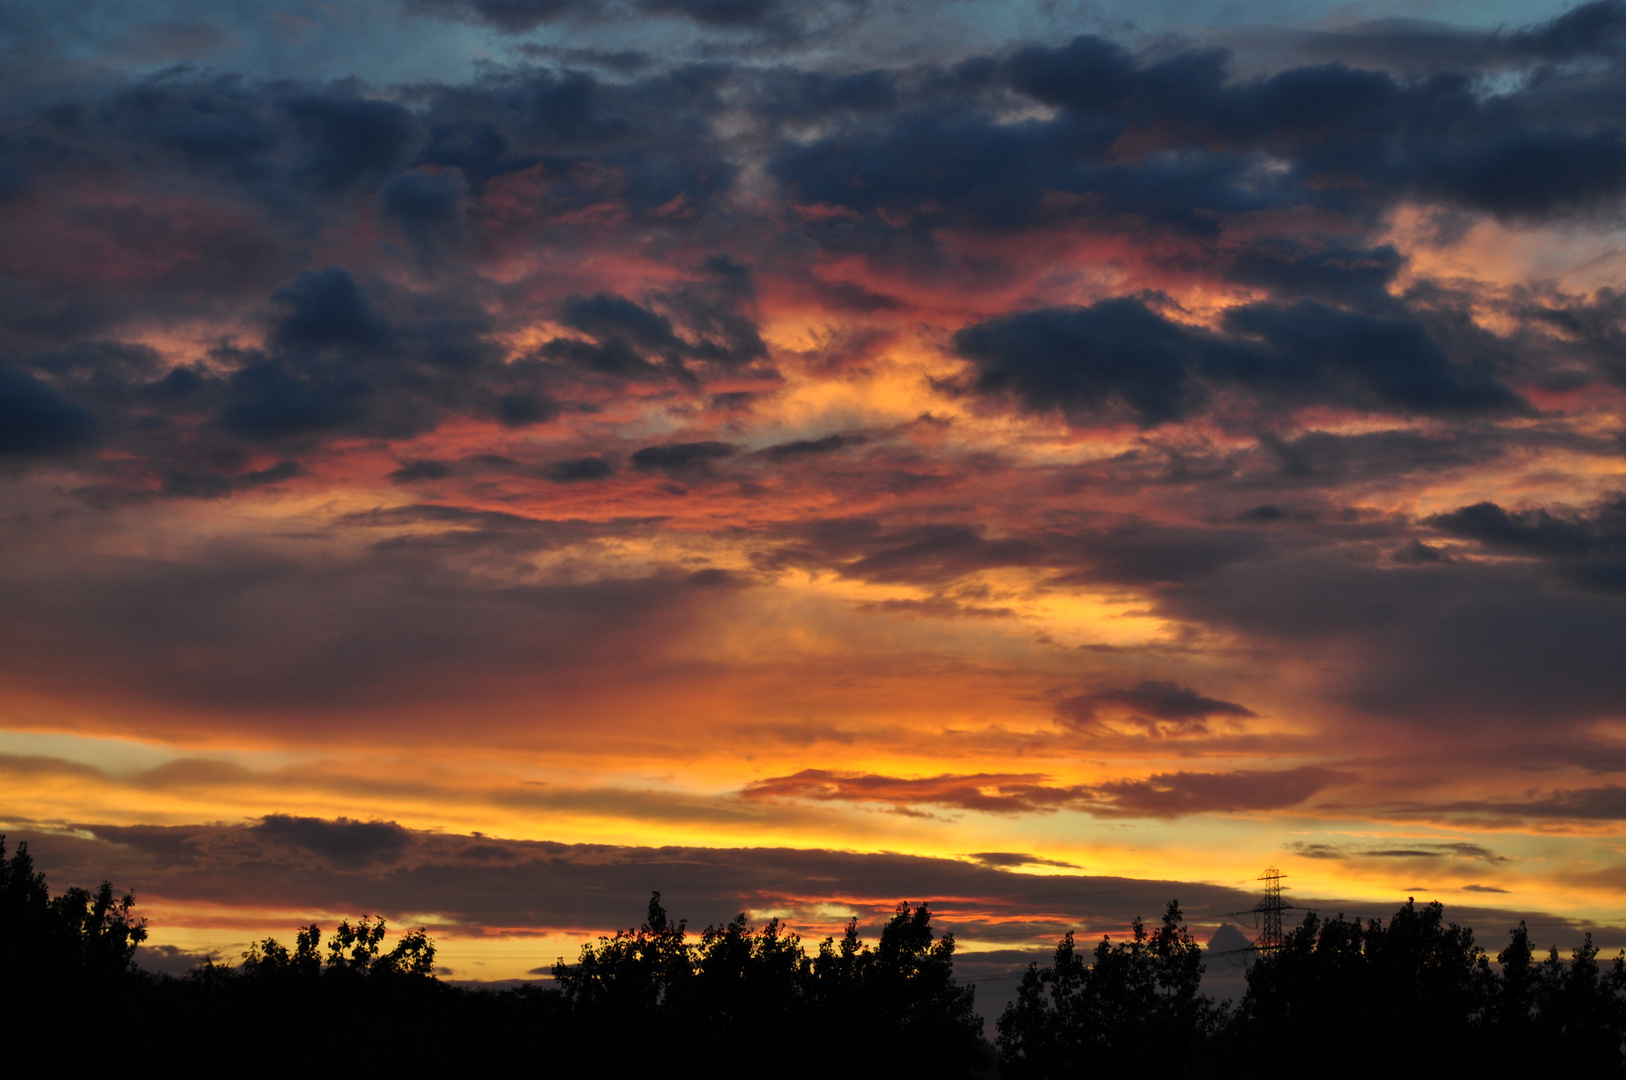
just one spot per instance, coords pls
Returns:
(1115, 440)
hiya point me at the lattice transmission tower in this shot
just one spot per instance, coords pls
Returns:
(1270, 912)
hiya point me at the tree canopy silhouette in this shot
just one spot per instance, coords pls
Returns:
(896, 1006)
(1134, 1011)
(79, 935)
(1341, 998)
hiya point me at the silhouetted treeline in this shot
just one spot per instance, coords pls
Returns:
(1420, 995)
(737, 1002)
(742, 999)
(1341, 998)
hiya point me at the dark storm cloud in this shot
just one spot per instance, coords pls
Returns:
(1445, 850)
(774, 18)
(584, 142)
(617, 318)
(937, 607)
(1164, 795)
(325, 140)
(106, 372)
(481, 883)
(339, 358)
(1441, 644)
(1589, 548)
(828, 444)
(211, 125)
(1118, 353)
(1081, 360)
(1296, 269)
(937, 168)
(1143, 553)
(477, 882)
(207, 485)
(1530, 174)
(933, 554)
(1593, 29)
(1181, 793)
(1326, 460)
(1589, 31)
(1009, 859)
(1546, 147)
(1153, 699)
(342, 840)
(269, 163)
(326, 310)
(989, 793)
(747, 14)
(34, 419)
(428, 207)
(353, 141)
(790, 94)
(630, 340)
(1593, 329)
(399, 626)
(1323, 353)
(937, 553)
(1539, 531)
(580, 469)
(1128, 552)
(1349, 133)
(681, 459)
(421, 469)
(1137, 142)
(456, 528)
(524, 409)
(515, 16)
(333, 363)
(1579, 804)
(1341, 138)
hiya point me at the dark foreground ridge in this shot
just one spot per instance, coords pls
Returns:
(1341, 998)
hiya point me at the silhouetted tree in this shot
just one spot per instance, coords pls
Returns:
(26, 935)
(366, 1010)
(633, 972)
(745, 978)
(1133, 1010)
(354, 950)
(65, 963)
(899, 1006)
(740, 997)
(79, 935)
(1420, 988)
(1580, 1017)
(270, 959)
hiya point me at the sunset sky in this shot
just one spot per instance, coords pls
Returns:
(481, 461)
